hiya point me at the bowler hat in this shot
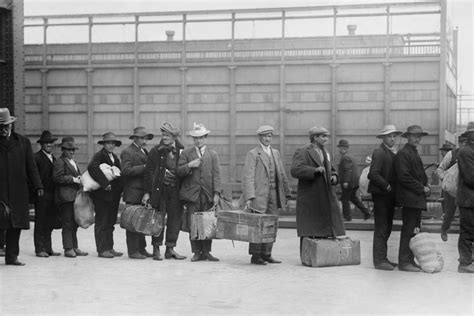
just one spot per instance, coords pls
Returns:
(318, 130)
(343, 143)
(68, 143)
(46, 138)
(469, 133)
(141, 132)
(446, 147)
(265, 129)
(170, 128)
(5, 117)
(109, 137)
(198, 130)
(414, 129)
(387, 130)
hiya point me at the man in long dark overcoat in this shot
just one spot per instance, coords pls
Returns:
(411, 193)
(317, 211)
(17, 168)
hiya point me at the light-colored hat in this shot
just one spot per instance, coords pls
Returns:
(170, 128)
(414, 129)
(198, 130)
(265, 129)
(318, 130)
(5, 117)
(109, 137)
(389, 129)
(141, 132)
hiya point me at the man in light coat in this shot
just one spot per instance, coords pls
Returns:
(264, 187)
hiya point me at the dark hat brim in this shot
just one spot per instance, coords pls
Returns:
(405, 135)
(146, 136)
(115, 141)
(48, 140)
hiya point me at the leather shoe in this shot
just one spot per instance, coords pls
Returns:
(196, 257)
(171, 254)
(366, 215)
(444, 235)
(257, 260)
(116, 253)
(270, 259)
(146, 253)
(408, 268)
(346, 219)
(79, 252)
(53, 253)
(137, 255)
(384, 266)
(156, 254)
(466, 268)
(14, 263)
(106, 254)
(42, 254)
(207, 256)
(392, 263)
(69, 253)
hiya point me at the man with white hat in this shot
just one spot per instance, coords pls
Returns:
(199, 170)
(264, 187)
(382, 187)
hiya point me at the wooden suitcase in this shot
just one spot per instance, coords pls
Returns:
(248, 227)
(330, 252)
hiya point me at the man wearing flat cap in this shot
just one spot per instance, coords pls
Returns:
(107, 198)
(46, 211)
(199, 170)
(411, 193)
(317, 211)
(17, 167)
(134, 158)
(349, 175)
(265, 187)
(162, 189)
(465, 200)
(382, 186)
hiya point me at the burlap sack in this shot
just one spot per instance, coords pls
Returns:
(426, 253)
(84, 209)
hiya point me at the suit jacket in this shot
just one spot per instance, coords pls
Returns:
(382, 171)
(411, 178)
(45, 169)
(63, 174)
(133, 168)
(207, 177)
(256, 178)
(465, 194)
(348, 171)
(99, 158)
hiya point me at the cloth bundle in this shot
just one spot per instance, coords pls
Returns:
(84, 209)
(426, 253)
(203, 225)
(450, 180)
(89, 184)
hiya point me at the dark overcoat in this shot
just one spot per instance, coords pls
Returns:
(382, 171)
(155, 170)
(63, 174)
(465, 194)
(99, 158)
(348, 171)
(45, 169)
(133, 168)
(317, 211)
(411, 178)
(17, 169)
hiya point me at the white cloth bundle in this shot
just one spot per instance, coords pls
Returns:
(450, 180)
(89, 184)
(426, 253)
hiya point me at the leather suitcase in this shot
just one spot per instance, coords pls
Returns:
(142, 219)
(330, 252)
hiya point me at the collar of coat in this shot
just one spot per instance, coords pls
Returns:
(167, 148)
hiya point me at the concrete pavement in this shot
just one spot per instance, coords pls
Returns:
(92, 285)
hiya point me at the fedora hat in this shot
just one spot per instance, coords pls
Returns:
(318, 130)
(387, 130)
(343, 143)
(141, 132)
(170, 128)
(68, 143)
(46, 138)
(414, 129)
(5, 117)
(446, 147)
(109, 137)
(265, 129)
(198, 130)
(469, 133)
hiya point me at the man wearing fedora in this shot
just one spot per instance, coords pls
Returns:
(411, 193)
(264, 187)
(67, 177)
(134, 158)
(106, 199)
(198, 168)
(382, 186)
(17, 168)
(162, 189)
(349, 175)
(465, 200)
(46, 211)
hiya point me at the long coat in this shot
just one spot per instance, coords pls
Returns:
(63, 174)
(155, 171)
(348, 171)
(17, 168)
(45, 169)
(465, 194)
(382, 171)
(99, 158)
(317, 211)
(256, 178)
(133, 169)
(207, 177)
(411, 178)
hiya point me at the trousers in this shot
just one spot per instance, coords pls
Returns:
(171, 206)
(349, 195)
(265, 249)
(411, 219)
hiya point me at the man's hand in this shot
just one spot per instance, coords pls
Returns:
(427, 191)
(345, 185)
(40, 192)
(145, 198)
(389, 188)
(320, 170)
(196, 163)
(248, 203)
(76, 180)
(108, 188)
(333, 179)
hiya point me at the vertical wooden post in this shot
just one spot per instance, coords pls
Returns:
(90, 113)
(184, 110)
(334, 86)
(282, 117)
(136, 87)
(442, 72)
(44, 98)
(233, 125)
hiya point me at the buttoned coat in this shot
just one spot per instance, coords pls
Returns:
(99, 158)
(348, 171)
(133, 171)
(45, 170)
(411, 178)
(17, 168)
(63, 174)
(465, 194)
(207, 177)
(317, 211)
(382, 171)
(256, 178)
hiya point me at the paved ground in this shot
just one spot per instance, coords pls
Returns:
(92, 285)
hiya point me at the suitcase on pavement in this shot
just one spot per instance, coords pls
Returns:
(330, 252)
(142, 219)
(203, 225)
(248, 227)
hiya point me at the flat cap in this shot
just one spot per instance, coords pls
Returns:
(170, 128)
(318, 130)
(265, 129)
